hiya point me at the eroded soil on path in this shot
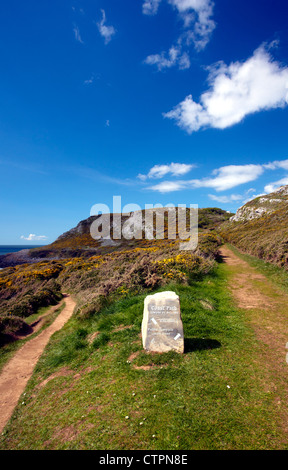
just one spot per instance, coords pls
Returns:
(243, 287)
(267, 305)
(266, 310)
(18, 370)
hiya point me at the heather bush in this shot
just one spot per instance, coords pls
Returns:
(95, 280)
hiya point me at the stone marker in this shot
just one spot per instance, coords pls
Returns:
(162, 328)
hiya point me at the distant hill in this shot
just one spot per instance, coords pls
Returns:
(79, 236)
(77, 242)
(260, 227)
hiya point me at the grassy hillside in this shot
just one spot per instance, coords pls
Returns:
(95, 387)
(265, 237)
(94, 271)
(260, 227)
(78, 241)
(94, 281)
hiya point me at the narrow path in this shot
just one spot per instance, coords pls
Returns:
(17, 372)
(266, 312)
(266, 304)
(245, 292)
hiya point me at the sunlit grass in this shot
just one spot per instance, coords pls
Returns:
(107, 393)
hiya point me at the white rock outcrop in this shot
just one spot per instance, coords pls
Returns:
(262, 205)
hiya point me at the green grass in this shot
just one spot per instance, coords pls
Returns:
(34, 317)
(7, 351)
(215, 396)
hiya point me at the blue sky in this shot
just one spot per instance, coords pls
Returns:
(160, 101)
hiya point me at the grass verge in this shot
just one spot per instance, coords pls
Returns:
(274, 273)
(95, 388)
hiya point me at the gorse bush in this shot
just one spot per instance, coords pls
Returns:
(96, 280)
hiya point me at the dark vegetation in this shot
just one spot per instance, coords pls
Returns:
(98, 278)
(212, 217)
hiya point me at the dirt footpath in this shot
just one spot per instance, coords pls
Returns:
(266, 304)
(17, 372)
(246, 294)
(266, 311)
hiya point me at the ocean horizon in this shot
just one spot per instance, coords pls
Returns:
(6, 249)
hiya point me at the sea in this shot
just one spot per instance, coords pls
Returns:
(5, 249)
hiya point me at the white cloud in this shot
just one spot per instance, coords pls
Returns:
(89, 81)
(75, 10)
(278, 164)
(236, 90)
(222, 179)
(271, 187)
(33, 237)
(168, 186)
(107, 32)
(92, 79)
(77, 34)
(164, 60)
(231, 198)
(184, 61)
(200, 13)
(175, 169)
(150, 7)
(228, 177)
(283, 164)
(226, 199)
(197, 29)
